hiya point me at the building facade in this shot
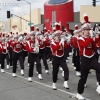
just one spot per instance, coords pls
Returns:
(58, 11)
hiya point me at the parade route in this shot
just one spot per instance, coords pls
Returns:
(19, 88)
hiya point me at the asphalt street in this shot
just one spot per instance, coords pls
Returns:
(18, 88)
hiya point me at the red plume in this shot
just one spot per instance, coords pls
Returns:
(25, 34)
(86, 18)
(17, 33)
(76, 27)
(32, 28)
(37, 29)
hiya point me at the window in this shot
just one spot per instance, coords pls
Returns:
(52, 24)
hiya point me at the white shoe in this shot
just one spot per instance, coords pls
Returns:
(98, 89)
(46, 71)
(72, 64)
(70, 54)
(22, 72)
(40, 77)
(66, 85)
(78, 73)
(2, 70)
(35, 63)
(11, 66)
(54, 86)
(80, 97)
(97, 83)
(28, 64)
(7, 66)
(30, 79)
(74, 68)
(0, 65)
(63, 73)
(60, 68)
(68, 58)
(85, 86)
(67, 61)
(50, 62)
(14, 75)
(36, 72)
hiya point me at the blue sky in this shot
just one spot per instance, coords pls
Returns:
(23, 8)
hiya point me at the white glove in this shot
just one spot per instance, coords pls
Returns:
(4, 47)
(62, 41)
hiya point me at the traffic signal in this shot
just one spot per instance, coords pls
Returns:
(8, 14)
(94, 3)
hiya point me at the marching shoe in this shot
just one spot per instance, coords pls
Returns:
(67, 61)
(70, 53)
(14, 75)
(46, 71)
(35, 63)
(72, 64)
(98, 89)
(28, 64)
(80, 97)
(40, 77)
(65, 85)
(54, 86)
(60, 68)
(11, 66)
(63, 73)
(36, 72)
(7, 66)
(30, 79)
(2, 70)
(74, 68)
(0, 65)
(78, 73)
(85, 86)
(97, 83)
(68, 58)
(22, 72)
(50, 62)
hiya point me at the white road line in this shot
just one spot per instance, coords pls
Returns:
(69, 93)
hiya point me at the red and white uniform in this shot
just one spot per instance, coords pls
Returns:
(41, 43)
(86, 47)
(30, 46)
(4, 48)
(47, 42)
(16, 47)
(57, 49)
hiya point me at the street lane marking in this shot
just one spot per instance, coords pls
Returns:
(69, 93)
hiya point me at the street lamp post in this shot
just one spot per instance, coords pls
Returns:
(30, 11)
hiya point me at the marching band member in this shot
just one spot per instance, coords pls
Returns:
(33, 57)
(42, 54)
(24, 51)
(88, 61)
(47, 46)
(4, 54)
(76, 57)
(57, 47)
(17, 55)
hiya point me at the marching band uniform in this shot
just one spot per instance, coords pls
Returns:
(47, 46)
(4, 54)
(88, 61)
(76, 56)
(17, 55)
(42, 54)
(57, 48)
(33, 57)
